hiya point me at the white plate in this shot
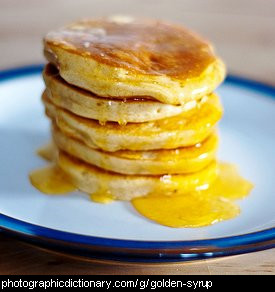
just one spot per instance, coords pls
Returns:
(116, 230)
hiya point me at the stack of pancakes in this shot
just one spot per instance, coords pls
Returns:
(132, 106)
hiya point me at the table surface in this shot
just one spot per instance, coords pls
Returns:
(243, 32)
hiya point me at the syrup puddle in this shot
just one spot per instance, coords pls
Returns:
(199, 208)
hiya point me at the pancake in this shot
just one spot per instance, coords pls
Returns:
(183, 130)
(148, 58)
(155, 162)
(88, 105)
(93, 180)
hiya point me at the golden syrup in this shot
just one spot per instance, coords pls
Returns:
(200, 208)
(51, 180)
(122, 122)
(185, 211)
(101, 198)
(203, 207)
(102, 195)
(229, 183)
(47, 152)
(102, 122)
(183, 130)
(150, 47)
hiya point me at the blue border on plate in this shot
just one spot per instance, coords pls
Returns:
(157, 251)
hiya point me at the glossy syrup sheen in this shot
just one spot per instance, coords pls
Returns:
(205, 114)
(200, 208)
(50, 180)
(203, 207)
(144, 46)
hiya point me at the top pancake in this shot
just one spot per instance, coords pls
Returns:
(125, 57)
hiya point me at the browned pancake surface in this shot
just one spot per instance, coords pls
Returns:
(143, 46)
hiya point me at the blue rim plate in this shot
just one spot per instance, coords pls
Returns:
(138, 250)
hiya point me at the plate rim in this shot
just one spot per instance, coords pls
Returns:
(183, 249)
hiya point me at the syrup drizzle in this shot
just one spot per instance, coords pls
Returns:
(206, 206)
(51, 180)
(200, 208)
